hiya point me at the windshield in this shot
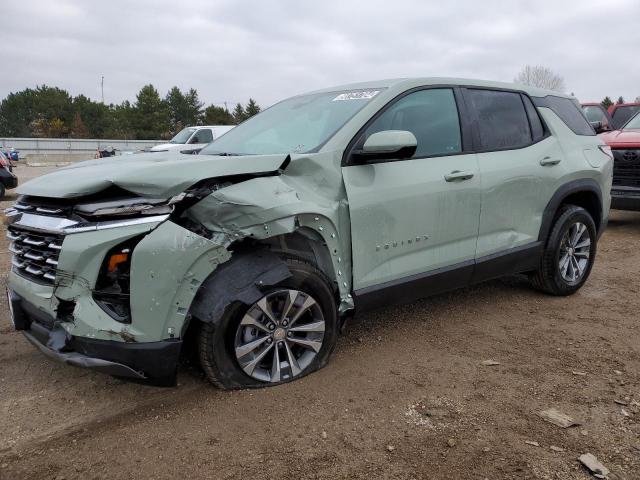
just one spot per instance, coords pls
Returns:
(183, 135)
(296, 125)
(622, 114)
(634, 123)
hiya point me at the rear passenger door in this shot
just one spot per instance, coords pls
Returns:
(519, 163)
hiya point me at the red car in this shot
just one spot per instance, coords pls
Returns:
(621, 113)
(625, 146)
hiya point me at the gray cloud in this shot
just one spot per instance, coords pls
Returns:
(232, 49)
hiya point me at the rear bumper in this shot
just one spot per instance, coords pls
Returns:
(625, 198)
(153, 362)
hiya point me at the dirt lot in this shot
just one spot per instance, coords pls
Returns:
(405, 396)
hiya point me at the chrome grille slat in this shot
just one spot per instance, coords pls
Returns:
(32, 241)
(31, 256)
(34, 270)
(49, 211)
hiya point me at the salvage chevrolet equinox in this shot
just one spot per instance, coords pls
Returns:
(336, 201)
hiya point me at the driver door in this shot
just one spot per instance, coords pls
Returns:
(414, 222)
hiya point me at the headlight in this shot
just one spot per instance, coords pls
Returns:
(125, 207)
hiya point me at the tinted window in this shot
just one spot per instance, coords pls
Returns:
(431, 115)
(537, 129)
(502, 120)
(568, 112)
(202, 136)
(621, 115)
(594, 113)
(634, 123)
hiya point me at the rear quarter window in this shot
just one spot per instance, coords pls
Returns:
(568, 112)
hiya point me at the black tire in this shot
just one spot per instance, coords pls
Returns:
(2, 190)
(216, 339)
(548, 278)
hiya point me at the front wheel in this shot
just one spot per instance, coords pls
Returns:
(289, 332)
(569, 253)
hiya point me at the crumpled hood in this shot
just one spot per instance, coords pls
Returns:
(159, 175)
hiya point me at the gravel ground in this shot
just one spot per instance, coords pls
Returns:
(406, 394)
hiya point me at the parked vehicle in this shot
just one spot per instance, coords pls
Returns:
(598, 117)
(7, 179)
(621, 113)
(327, 203)
(11, 153)
(193, 138)
(625, 146)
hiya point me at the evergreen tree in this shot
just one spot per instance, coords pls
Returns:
(150, 115)
(606, 102)
(193, 108)
(252, 108)
(620, 100)
(175, 102)
(214, 115)
(239, 115)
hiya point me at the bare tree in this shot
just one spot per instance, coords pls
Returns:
(541, 77)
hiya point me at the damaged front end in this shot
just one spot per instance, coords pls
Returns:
(108, 278)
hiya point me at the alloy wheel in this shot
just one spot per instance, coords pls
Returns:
(575, 250)
(279, 336)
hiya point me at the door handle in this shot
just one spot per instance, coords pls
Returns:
(548, 161)
(457, 175)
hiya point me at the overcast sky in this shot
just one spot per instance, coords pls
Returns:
(230, 50)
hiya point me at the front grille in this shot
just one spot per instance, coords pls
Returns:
(626, 168)
(35, 254)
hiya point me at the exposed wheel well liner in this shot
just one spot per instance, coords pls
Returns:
(584, 193)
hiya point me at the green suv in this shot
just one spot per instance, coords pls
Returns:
(325, 204)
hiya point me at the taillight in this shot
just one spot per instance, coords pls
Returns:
(3, 161)
(606, 149)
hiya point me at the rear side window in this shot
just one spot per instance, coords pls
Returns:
(502, 119)
(537, 128)
(431, 115)
(568, 112)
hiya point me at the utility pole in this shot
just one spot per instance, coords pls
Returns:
(102, 88)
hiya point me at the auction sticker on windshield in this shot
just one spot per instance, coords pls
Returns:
(359, 95)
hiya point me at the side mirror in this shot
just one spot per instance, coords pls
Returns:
(387, 145)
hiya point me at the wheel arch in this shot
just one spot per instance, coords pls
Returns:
(585, 193)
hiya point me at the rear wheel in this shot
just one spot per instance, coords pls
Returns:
(289, 332)
(569, 253)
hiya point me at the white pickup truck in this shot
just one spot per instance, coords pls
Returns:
(193, 138)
